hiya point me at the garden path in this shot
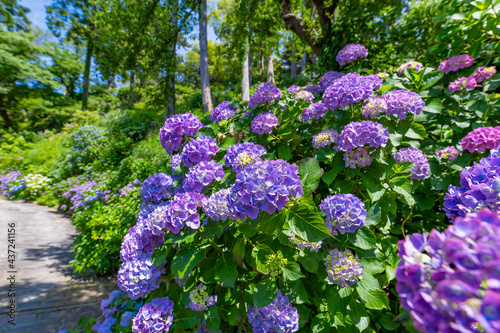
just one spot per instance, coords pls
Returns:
(48, 296)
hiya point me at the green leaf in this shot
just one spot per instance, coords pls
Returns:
(291, 271)
(363, 238)
(358, 315)
(226, 271)
(373, 215)
(311, 261)
(294, 290)
(321, 323)
(431, 79)
(376, 193)
(228, 142)
(329, 177)
(212, 229)
(185, 260)
(416, 131)
(264, 292)
(160, 255)
(207, 270)
(187, 318)
(372, 265)
(284, 151)
(309, 173)
(458, 16)
(338, 299)
(272, 222)
(387, 321)
(213, 318)
(408, 198)
(306, 222)
(370, 292)
(434, 106)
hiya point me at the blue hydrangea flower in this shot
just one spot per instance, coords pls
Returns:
(421, 167)
(154, 317)
(279, 316)
(199, 298)
(328, 78)
(203, 148)
(265, 186)
(183, 210)
(202, 174)
(350, 53)
(325, 138)
(175, 162)
(402, 102)
(223, 111)
(348, 90)
(315, 110)
(175, 128)
(126, 319)
(361, 134)
(265, 93)
(264, 123)
(106, 326)
(343, 268)
(315, 89)
(249, 151)
(217, 205)
(157, 188)
(344, 212)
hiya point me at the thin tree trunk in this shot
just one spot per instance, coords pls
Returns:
(270, 69)
(71, 89)
(245, 83)
(293, 64)
(250, 57)
(4, 114)
(131, 86)
(170, 107)
(205, 82)
(86, 74)
(303, 61)
(111, 82)
(262, 66)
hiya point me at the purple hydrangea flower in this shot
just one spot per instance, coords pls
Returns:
(350, 53)
(328, 78)
(479, 188)
(343, 268)
(136, 182)
(463, 83)
(374, 107)
(249, 151)
(157, 188)
(421, 165)
(223, 111)
(315, 110)
(183, 210)
(175, 128)
(325, 138)
(449, 153)
(344, 212)
(265, 186)
(266, 92)
(264, 123)
(141, 240)
(202, 174)
(107, 304)
(449, 281)
(315, 89)
(409, 64)
(154, 317)
(11, 183)
(126, 319)
(199, 298)
(138, 277)
(373, 80)
(217, 205)
(81, 196)
(362, 133)
(348, 90)
(175, 162)
(481, 138)
(402, 102)
(455, 63)
(304, 95)
(203, 148)
(302, 244)
(279, 316)
(293, 89)
(483, 73)
(357, 157)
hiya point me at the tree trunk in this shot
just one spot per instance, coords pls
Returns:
(4, 113)
(71, 89)
(131, 88)
(245, 83)
(170, 107)
(303, 61)
(205, 82)
(262, 66)
(86, 74)
(293, 64)
(111, 82)
(250, 58)
(270, 69)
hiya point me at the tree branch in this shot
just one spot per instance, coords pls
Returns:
(325, 13)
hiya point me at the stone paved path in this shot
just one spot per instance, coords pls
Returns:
(48, 296)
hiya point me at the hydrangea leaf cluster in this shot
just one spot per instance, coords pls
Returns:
(449, 281)
(409, 64)
(264, 123)
(176, 128)
(279, 316)
(455, 63)
(421, 167)
(361, 134)
(463, 83)
(348, 90)
(203, 148)
(403, 102)
(154, 317)
(249, 151)
(265, 93)
(345, 213)
(343, 268)
(202, 174)
(199, 298)
(325, 138)
(223, 111)
(358, 157)
(350, 53)
(481, 138)
(450, 153)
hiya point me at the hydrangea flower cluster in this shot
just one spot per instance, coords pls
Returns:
(344, 212)
(357, 157)
(279, 316)
(455, 63)
(343, 268)
(325, 138)
(315, 110)
(463, 83)
(481, 138)
(82, 195)
(157, 188)
(275, 263)
(266, 92)
(154, 317)
(264, 123)
(328, 78)
(402, 102)
(138, 276)
(223, 111)
(450, 153)
(449, 281)
(350, 53)
(86, 137)
(36, 184)
(483, 73)
(302, 244)
(126, 319)
(129, 188)
(199, 299)
(183, 210)
(107, 305)
(409, 64)
(362, 133)
(421, 167)
(264, 186)
(217, 206)
(104, 327)
(316, 89)
(348, 90)
(249, 151)
(175, 128)
(383, 75)
(293, 89)
(479, 188)
(374, 107)
(175, 162)
(202, 174)
(11, 183)
(304, 95)
(373, 80)
(203, 148)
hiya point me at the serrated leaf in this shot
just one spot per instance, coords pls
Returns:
(310, 174)
(184, 261)
(358, 315)
(284, 152)
(187, 318)
(431, 79)
(207, 270)
(416, 131)
(272, 222)
(212, 229)
(226, 271)
(291, 271)
(329, 177)
(372, 265)
(376, 193)
(434, 106)
(213, 318)
(265, 292)
(370, 292)
(338, 299)
(294, 290)
(373, 215)
(321, 323)
(306, 222)
(408, 198)
(363, 238)
(159, 255)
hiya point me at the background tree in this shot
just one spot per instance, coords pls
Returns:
(13, 16)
